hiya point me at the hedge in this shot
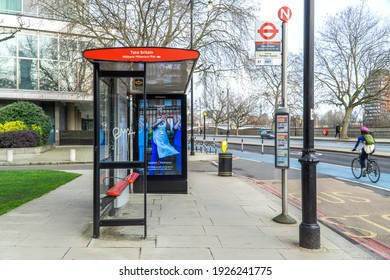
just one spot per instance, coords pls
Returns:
(30, 114)
(19, 139)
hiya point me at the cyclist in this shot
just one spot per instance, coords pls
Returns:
(368, 147)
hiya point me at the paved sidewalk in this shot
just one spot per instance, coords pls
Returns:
(220, 218)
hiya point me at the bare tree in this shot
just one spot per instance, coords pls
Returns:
(351, 49)
(215, 104)
(218, 33)
(270, 80)
(240, 109)
(271, 85)
(9, 33)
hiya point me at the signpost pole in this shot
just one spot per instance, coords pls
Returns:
(284, 218)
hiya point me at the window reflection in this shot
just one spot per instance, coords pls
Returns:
(8, 46)
(28, 46)
(68, 72)
(48, 75)
(51, 63)
(68, 49)
(48, 47)
(7, 72)
(28, 74)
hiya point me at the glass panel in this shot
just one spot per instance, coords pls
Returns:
(104, 132)
(48, 75)
(116, 133)
(68, 49)
(48, 47)
(28, 76)
(172, 76)
(121, 132)
(86, 74)
(11, 5)
(7, 47)
(73, 76)
(30, 8)
(28, 46)
(121, 66)
(7, 72)
(67, 73)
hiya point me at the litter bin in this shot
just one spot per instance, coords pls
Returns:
(225, 164)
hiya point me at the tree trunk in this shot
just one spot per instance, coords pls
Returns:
(216, 128)
(346, 120)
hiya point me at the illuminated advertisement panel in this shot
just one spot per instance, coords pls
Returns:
(162, 120)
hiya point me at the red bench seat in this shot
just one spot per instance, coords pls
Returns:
(117, 189)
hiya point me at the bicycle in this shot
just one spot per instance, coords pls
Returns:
(372, 168)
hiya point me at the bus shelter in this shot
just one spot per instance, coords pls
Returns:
(140, 130)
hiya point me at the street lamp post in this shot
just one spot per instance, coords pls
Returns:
(192, 152)
(227, 113)
(309, 230)
(204, 125)
(209, 7)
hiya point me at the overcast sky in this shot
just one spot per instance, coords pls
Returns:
(268, 11)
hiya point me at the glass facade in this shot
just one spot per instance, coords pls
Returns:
(44, 61)
(46, 67)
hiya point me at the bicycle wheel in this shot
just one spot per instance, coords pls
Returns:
(373, 171)
(356, 168)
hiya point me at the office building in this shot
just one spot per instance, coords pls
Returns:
(377, 112)
(42, 63)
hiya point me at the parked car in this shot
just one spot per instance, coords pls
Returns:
(267, 134)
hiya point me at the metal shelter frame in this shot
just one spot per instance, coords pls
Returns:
(139, 71)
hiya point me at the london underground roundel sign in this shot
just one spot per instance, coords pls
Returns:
(268, 31)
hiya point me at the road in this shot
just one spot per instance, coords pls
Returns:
(357, 209)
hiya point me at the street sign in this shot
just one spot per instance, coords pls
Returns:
(268, 43)
(268, 61)
(268, 47)
(284, 13)
(273, 55)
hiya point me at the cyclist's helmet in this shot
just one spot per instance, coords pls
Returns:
(364, 129)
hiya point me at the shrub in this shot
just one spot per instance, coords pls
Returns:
(19, 139)
(15, 125)
(28, 113)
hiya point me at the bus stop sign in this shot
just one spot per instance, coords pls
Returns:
(284, 13)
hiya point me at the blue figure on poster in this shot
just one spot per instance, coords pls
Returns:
(161, 148)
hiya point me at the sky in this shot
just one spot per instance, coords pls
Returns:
(268, 11)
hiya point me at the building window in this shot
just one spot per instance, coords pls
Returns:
(48, 75)
(48, 47)
(8, 46)
(44, 61)
(68, 49)
(7, 72)
(28, 46)
(11, 6)
(28, 74)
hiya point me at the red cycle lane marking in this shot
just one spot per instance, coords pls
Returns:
(368, 243)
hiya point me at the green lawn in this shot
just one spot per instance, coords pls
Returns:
(20, 186)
